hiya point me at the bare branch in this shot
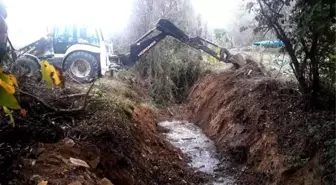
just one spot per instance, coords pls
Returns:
(272, 10)
(73, 95)
(60, 110)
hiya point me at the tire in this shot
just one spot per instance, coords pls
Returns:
(82, 67)
(26, 66)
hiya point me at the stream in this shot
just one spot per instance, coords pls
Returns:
(198, 147)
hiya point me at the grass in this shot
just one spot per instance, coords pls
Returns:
(119, 97)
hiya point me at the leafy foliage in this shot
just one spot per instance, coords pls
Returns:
(7, 89)
(171, 67)
(8, 100)
(50, 74)
(8, 113)
(219, 33)
(308, 30)
(8, 83)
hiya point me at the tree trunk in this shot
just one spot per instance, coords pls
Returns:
(315, 83)
(297, 68)
(291, 52)
(315, 87)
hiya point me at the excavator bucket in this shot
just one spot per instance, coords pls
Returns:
(237, 60)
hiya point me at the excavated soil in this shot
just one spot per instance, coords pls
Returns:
(114, 144)
(260, 122)
(257, 120)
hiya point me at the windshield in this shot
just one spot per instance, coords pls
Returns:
(77, 34)
(88, 35)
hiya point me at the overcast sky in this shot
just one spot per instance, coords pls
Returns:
(218, 13)
(27, 19)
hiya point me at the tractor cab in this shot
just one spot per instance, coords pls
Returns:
(64, 36)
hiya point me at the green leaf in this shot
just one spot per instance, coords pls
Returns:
(8, 100)
(8, 113)
(50, 74)
(46, 74)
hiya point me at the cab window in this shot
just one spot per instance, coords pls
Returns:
(88, 35)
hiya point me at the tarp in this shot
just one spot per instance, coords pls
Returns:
(268, 43)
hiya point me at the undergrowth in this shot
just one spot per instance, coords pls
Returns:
(170, 74)
(117, 96)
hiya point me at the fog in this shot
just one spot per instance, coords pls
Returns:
(28, 20)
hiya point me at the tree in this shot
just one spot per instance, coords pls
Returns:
(171, 66)
(307, 28)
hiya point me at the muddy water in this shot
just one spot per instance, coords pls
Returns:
(198, 147)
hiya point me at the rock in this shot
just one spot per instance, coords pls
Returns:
(79, 162)
(94, 163)
(68, 142)
(27, 162)
(39, 151)
(75, 183)
(105, 181)
(162, 129)
(36, 178)
(33, 162)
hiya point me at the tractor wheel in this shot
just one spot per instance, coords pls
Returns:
(82, 67)
(25, 66)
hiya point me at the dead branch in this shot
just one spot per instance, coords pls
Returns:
(170, 112)
(282, 64)
(73, 95)
(60, 110)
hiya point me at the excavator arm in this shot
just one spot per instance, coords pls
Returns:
(166, 28)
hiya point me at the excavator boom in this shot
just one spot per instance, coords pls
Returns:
(85, 46)
(167, 28)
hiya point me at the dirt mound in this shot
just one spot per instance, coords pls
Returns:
(115, 136)
(125, 153)
(259, 121)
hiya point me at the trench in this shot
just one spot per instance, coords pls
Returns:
(200, 150)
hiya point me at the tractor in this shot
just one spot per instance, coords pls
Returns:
(81, 50)
(78, 49)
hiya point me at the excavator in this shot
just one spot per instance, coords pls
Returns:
(82, 51)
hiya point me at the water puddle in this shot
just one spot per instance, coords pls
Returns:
(196, 145)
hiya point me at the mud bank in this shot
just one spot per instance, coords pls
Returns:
(115, 138)
(126, 153)
(260, 123)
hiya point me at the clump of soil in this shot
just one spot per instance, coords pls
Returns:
(259, 120)
(119, 142)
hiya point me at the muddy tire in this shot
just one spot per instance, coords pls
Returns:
(82, 67)
(26, 66)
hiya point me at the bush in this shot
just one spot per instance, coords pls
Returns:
(308, 30)
(170, 73)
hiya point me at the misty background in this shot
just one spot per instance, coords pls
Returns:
(28, 20)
